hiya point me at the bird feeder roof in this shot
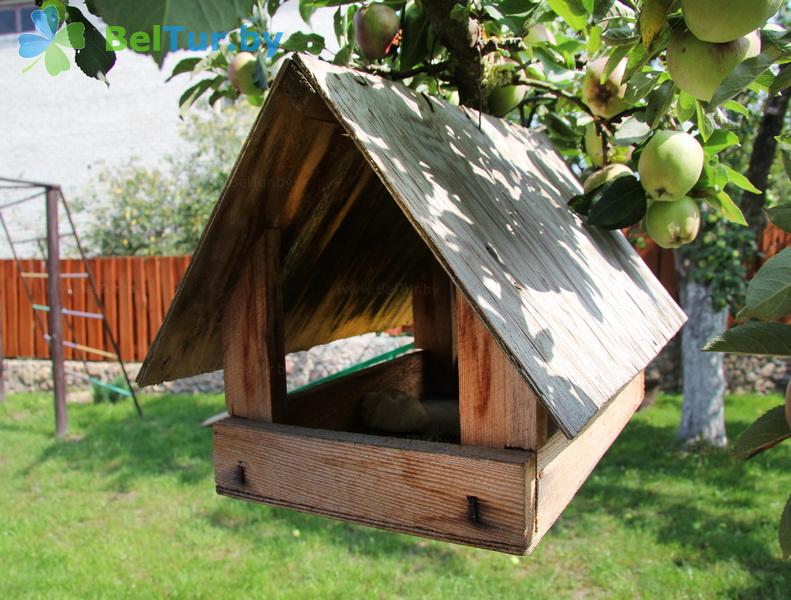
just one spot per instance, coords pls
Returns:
(367, 179)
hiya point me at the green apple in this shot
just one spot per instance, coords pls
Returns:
(241, 71)
(605, 99)
(698, 68)
(375, 26)
(670, 165)
(504, 99)
(722, 21)
(673, 224)
(605, 175)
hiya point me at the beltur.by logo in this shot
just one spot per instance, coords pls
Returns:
(167, 36)
(50, 40)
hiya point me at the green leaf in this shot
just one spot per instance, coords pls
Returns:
(726, 207)
(640, 86)
(601, 8)
(304, 42)
(571, 11)
(706, 123)
(785, 530)
(741, 181)
(687, 106)
(93, 58)
(306, 10)
(736, 107)
(633, 130)
(769, 292)
(414, 42)
(619, 204)
(186, 65)
(191, 95)
(782, 81)
(659, 102)
(765, 339)
(623, 37)
(780, 216)
(720, 140)
(767, 432)
(742, 76)
(192, 15)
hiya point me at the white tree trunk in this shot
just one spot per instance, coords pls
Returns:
(703, 411)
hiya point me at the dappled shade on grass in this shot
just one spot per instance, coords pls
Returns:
(127, 509)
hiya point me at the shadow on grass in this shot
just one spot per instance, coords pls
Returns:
(247, 519)
(706, 509)
(120, 448)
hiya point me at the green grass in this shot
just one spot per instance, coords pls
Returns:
(127, 508)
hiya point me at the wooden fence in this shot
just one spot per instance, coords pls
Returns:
(135, 291)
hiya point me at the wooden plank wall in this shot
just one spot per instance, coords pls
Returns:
(136, 292)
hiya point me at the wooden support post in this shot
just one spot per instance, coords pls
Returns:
(55, 324)
(432, 309)
(497, 408)
(253, 337)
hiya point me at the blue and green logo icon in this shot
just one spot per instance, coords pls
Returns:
(50, 40)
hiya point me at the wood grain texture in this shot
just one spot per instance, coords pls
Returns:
(254, 355)
(433, 324)
(421, 488)
(335, 404)
(489, 203)
(564, 465)
(497, 408)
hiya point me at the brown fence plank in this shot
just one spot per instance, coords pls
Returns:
(125, 308)
(94, 326)
(136, 293)
(154, 289)
(140, 313)
(109, 270)
(68, 302)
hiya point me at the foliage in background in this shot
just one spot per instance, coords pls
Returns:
(768, 299)
(143, 210)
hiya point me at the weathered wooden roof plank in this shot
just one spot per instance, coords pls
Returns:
(574, 307)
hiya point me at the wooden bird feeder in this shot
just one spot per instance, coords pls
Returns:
(359, 205)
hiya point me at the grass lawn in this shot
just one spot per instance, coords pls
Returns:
(127, 509)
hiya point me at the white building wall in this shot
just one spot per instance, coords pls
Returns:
(61, 129)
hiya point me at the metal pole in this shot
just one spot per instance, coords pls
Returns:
(55, 314)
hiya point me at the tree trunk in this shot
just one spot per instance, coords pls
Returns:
(762, 159)
(703, 411)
